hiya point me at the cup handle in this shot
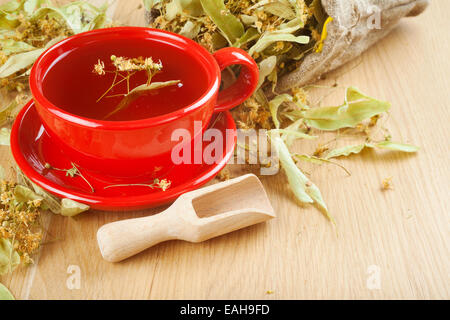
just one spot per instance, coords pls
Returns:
(246, 83)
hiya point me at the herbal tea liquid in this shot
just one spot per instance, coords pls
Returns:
(72, 85)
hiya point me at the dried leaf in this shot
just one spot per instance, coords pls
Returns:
(289, 139)
(9, 258)
(23, 60)
(25, 194)
(70, 208)
(318, 160)
(280, 9)
(248, 20)
(5, 134)
(50, 202)
(397, 146)
(269, 38)
(249, 35)
(303, 188)
(139, 90)
(355, 149)
(173, 8)
(345, 151)
(275, 103)
(19, 62)
(297, 180)
(148, 4)
(11, 6)
(8, 21)
(5, 294)
(10, 46)
(357, 108)
(295, 133)
(230, 26)
(79, 16)
(265, 68)
(190, 29)
(31, 5)
(6, 112)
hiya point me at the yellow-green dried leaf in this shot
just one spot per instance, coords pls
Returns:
(396, 146)
(266, 66)
(19, 62)
(173, 8)
(280, 9)
(9, 258)
(190, 29)
(23, 60)
(50, 202)
(148, 4)
(318, 160)
(25, 194)
(249, 35)
(78, 16)
(357, 108)
(248, 20)
(11, 6)
(289, 139)
(345, 151)
(230, 26)
(7, 111)
(355, 149)
(11, 46)
(5, 294)
(31, 5)
(297, 180)
(275, 103)
(303, 188)
(269, 38)
(8, 21)
(70, 208)
(294, 133)
(5, 134)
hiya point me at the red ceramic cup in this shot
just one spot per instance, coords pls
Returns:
(138, 147)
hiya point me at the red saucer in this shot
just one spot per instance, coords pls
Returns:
(32, 148)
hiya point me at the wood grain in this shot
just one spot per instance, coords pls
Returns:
(404, 231)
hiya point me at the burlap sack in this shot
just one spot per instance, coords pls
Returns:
(356, 25)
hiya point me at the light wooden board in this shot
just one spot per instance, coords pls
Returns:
(403, 232)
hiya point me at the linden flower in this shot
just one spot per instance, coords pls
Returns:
(135, 64)
(386, 184)
(4, 198)
(99, 68)
(149, 64)
(163, 184)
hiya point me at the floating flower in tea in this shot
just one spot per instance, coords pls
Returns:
(125, 68)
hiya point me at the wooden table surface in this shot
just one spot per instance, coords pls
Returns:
(391, 244)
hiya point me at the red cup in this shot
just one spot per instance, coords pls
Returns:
(138, 147)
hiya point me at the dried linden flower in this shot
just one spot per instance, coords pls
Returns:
(99, 68)
(386, 184)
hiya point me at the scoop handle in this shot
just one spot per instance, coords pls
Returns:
(123, 239)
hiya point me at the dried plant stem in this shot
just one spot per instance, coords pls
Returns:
(116, 83)
(74, 171)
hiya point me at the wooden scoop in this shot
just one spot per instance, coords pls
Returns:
(195, 216)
